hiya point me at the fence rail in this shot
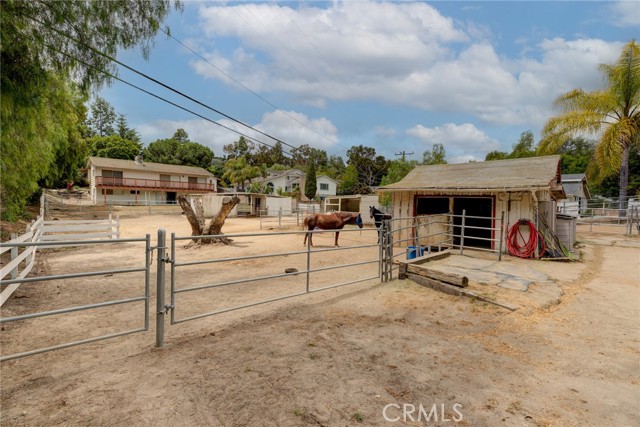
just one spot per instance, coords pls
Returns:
(428, 233)
(599, 215)
(15, 282)
(281, 218)
(308, 254)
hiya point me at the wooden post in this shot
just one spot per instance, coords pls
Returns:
(14, 255)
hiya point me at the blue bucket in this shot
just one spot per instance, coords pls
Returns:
(414, 251)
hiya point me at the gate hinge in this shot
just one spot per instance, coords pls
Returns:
(167, 307)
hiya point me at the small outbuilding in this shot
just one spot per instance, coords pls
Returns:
(577, 191)
(521, 188)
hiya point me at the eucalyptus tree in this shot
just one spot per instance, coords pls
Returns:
(612, 113)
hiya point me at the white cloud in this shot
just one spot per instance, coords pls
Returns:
(405, 54)
(461, 143)
(291, 127)
(625, 13)
(297, 129)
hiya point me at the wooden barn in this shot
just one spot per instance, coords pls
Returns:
(521, 188)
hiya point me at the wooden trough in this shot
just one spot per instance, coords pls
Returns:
(418, 271)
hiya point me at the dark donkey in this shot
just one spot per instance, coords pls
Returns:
(378, 216)
(332, 221)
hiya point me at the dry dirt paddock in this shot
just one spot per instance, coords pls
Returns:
(331, 358)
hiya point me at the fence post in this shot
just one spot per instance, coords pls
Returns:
(464, 212)
(160, 279)
(14, 255)
(280, 217)
(308, 257)
(501, 236)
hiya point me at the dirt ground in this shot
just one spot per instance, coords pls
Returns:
(567, 357)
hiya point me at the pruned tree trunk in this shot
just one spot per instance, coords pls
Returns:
(197, 222)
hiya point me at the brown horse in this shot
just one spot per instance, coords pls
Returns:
(333, 221)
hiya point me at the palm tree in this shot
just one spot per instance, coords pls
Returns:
(237, 171)
(613, 113)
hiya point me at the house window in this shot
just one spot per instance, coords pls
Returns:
(165, 177)
(324, 186)
(110, 177)
(108, 192)
(134, 192)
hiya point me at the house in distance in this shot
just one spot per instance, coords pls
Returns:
(137, 182)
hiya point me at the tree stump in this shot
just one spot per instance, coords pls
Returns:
(197, 221)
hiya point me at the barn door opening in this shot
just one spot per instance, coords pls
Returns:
(473, 207)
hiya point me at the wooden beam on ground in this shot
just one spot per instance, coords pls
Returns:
(456, 291)
(450, 278)
(402, 273)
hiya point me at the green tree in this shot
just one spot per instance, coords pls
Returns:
(161, 151)
(181, 135)
(37, 125)
(44, 46)
(240, 148)
(270, 156)
(125, 132)
(114, 147)
(398, 169)
(613, 113)
(103, 118)
(179, 150)
(369, 167)
(311, 182)
(435, 156)
(496, 155)
(576, 155)
(238, 170)
(524, 147)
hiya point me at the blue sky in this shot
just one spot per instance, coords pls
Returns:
(396, 76)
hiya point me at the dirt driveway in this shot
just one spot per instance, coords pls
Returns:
(340, 357)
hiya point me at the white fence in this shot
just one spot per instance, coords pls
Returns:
(20, 259)
(604, 214)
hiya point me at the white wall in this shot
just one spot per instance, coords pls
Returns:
(274, 204)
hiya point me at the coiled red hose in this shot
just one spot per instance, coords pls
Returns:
(525, 249)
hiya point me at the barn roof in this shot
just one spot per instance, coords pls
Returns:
(104, 162)
(531, 173)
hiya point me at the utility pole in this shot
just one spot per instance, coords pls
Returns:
(403, 154)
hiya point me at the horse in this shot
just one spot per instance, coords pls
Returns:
(332, 221)
(378, 216)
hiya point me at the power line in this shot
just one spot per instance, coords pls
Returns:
(164, 99)
(403, 154)
(157, 82)
(221, 71)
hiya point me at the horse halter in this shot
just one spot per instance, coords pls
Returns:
(359, 221)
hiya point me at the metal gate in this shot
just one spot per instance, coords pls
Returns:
(168, 255)
(145, 297)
